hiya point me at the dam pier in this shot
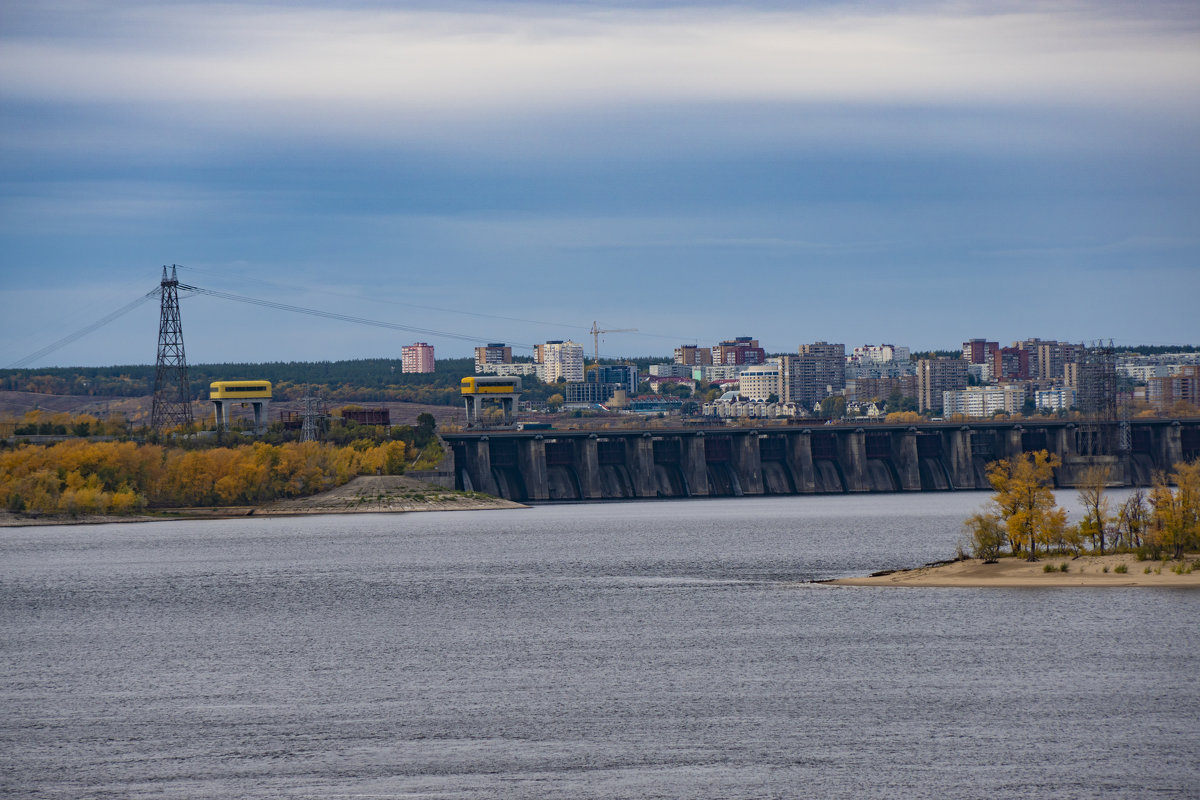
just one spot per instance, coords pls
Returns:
(613, 464)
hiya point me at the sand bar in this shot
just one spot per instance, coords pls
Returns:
(1085, 571)
(378, 494)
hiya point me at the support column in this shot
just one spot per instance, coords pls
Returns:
(908, 465)
(639, 460)
(531, 460)
(1172, 448)
(799, 453)
(479, 466)
(852, 455)
(587, 465)
(1065, 442)
(695, 468)
(747, 460)
(961, 469)
(1013, 449)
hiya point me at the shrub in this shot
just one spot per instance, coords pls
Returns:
(1047, 568)
(1104, 569)
(1120, 569)
(986, 534)
(1062, 567)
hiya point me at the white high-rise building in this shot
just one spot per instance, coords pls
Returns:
(560, 361)
(759, 382)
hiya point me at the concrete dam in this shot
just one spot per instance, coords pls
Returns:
(583, 465)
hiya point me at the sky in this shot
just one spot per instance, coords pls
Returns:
(863, 172)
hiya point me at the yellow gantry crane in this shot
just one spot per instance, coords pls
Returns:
(595, 332)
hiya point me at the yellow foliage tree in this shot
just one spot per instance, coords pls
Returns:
(1025, 500)
(1175, 516)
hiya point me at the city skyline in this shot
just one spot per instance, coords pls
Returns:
(514, 172)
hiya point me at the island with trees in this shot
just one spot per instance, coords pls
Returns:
(1021, 537)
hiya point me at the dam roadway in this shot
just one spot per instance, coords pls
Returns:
(724, 461)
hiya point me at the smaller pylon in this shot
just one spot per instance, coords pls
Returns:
(309, 429)
(172, 404)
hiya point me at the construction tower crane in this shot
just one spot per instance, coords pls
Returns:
(595, 332)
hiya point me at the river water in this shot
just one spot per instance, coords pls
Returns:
(625, 650)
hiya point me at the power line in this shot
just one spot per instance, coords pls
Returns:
(395, 326)
(477, 314)
(351, 296)
(84, 331)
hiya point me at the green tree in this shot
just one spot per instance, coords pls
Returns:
(986, 534)
(833, 407)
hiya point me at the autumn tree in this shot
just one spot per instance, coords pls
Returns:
(1092, 484)
(1025, 500)
(986, 534)
(1131, 519)
(1176, 513)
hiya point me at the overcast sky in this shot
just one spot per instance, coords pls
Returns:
(865, 172)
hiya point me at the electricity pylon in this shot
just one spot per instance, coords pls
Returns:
(172, 394)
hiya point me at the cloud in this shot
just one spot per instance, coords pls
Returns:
(371, 73)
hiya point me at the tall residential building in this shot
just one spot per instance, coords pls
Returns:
(560, 360)
(980, 351)
(1047, 357)
(740, 351)
(494, 353)
(815, 373)
(1011, 364)
(416, 358)
(828, 365)
(694, 356)
(1053, 356)
(935, 376)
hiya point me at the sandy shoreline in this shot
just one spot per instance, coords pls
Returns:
(369, 494)
(1086, 571)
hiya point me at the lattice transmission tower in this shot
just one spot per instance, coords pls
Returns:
(1097, 390)
(310, 417)
(172, 394)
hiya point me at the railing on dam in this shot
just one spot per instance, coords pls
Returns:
(727, 461)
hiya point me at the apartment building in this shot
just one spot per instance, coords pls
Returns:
(1162, 393)
(694, 356)
(984, 401)
(559, 361)
(495, 353)
(758, 383)
(935, 377)
(742, 351)
(416, 358)
(980, 351)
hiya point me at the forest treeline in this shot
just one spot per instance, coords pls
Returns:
(89, 477)
(368, 380)
(360, 379)
(1024, 519)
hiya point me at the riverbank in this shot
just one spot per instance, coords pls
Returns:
(367, 494)
(1086, 571)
